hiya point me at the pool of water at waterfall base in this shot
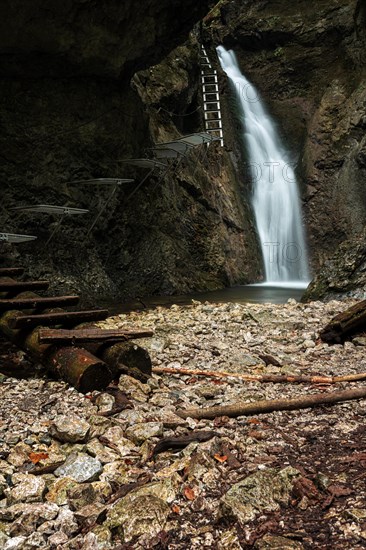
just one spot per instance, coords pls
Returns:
(274, 293)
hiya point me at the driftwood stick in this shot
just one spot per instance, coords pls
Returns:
(264, 406)
(287, 378)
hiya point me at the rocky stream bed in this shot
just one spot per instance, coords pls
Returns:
(75, 477)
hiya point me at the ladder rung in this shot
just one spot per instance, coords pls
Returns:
(213, 130)
(210, 122)
(216, 103)
(9, 271)
(212, 111)
(205, 81)
(34, 303)
(217, 133)
(205, 86)
(20, 286)
(216, 97)
(65, 317)
(213, 124)
(212, 72)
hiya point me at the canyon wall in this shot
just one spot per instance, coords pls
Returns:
(70, 112)
(308, 62)
(86, 84)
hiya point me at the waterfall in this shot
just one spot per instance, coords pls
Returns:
(275, 199)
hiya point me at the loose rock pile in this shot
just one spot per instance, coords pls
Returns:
(73, 477)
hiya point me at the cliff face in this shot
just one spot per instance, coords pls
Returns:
(201, 220)
(343, 274)
(308, 62)
(69, 113)
(74, 38)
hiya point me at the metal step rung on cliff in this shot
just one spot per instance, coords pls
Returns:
(209, 79)
(209, 88)
(214, 124)
(16, 237)
(212, 115)
(211, 98)
(61, 211)
(207, 70)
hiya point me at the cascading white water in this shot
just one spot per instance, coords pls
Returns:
(275, 201)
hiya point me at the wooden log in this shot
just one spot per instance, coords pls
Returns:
(76, 366)
(264, 406)
(11, 271)
(345, 324)
(128, 358)
(20, 286)
(78, 336)
(85, 375)
(79, 368)
(122, 357)
(37, 303)
(263, 378)
(59, 318)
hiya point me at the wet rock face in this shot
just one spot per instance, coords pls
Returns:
(261, 491)
(309, 67)
(344, 274)
(82, 37)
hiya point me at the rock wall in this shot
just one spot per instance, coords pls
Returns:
(69, 113)
(343, 274)
(308, 63)
(74, 38)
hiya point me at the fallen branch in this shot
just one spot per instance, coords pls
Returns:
(264, 406)
(345, 324)
(264, 377)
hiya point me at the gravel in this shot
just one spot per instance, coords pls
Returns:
(72, 479)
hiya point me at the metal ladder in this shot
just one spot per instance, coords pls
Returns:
(211, 98)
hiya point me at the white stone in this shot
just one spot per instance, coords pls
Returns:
(81, 467)
(15, 543)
